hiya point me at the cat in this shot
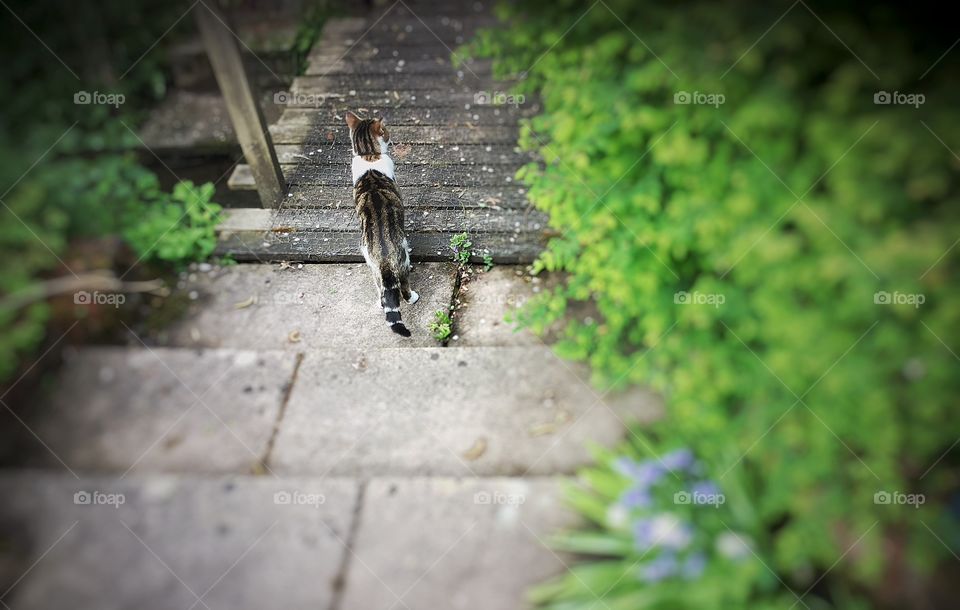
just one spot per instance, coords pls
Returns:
(379, 205)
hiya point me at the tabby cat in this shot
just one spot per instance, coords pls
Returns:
(383, 241)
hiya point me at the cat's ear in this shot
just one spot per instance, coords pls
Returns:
(377, 127)
(352, 120)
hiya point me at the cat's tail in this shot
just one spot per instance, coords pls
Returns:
(390, 299)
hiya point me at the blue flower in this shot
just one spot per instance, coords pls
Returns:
(694, 565)
(643, 534)
(636, 497)
(705, 488)
(663, 530)
(680, 459)
(663, 566)
(644, 473)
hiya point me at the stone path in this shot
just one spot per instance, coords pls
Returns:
(277, 447)
(340, 471)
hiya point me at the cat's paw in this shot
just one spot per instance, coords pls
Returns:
(414, 297)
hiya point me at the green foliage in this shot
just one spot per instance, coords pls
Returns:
(655, 517)
(462, 248)
(442, 326)
(739, 253)
(66, 176)
(308, 30)
(487, 262)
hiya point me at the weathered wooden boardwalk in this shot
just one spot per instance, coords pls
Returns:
(456, 153)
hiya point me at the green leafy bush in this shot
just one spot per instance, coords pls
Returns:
(74, 199)
(65, 176)
(778, 265)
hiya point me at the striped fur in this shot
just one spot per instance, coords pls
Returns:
(379, 205)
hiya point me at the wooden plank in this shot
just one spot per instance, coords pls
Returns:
(251, 235)
(325, 65)
(343, 83)
(424, 134)
(365, 50)
(245, 113)
(466, 154)
(449, 96)
(390, 24)
(338, 174)
(508, 196)
(333, 113)
(292, 222)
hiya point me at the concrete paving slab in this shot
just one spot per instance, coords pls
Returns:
(174, 410)
(169, 541)
(457, 544)
(488, 297)
(447, 411)
(305, 307)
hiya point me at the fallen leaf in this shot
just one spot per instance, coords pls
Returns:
(246, 303)
(478, 449)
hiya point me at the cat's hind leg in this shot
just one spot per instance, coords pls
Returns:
(410, 296)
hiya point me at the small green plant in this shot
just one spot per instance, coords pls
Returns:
(442, 326)
(462, 248)
(487, 262)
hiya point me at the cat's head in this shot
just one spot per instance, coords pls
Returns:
(369, 137)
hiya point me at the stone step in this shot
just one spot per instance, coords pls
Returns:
(228, 542)
(501, 411)
(486, 300)
(167, 541)
(349, 412)
(117, 409)
(458, 544)
(328, 306)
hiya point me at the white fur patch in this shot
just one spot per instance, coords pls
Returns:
(384, 165)
(414, 297)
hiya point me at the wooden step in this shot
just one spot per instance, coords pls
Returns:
(508, 236)
(301, 133)
(339, 175)
(512, 197)
(448, 79)
(365, 50)
(307, 88)
(409, 115)
(438, 64)
(464, 154)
